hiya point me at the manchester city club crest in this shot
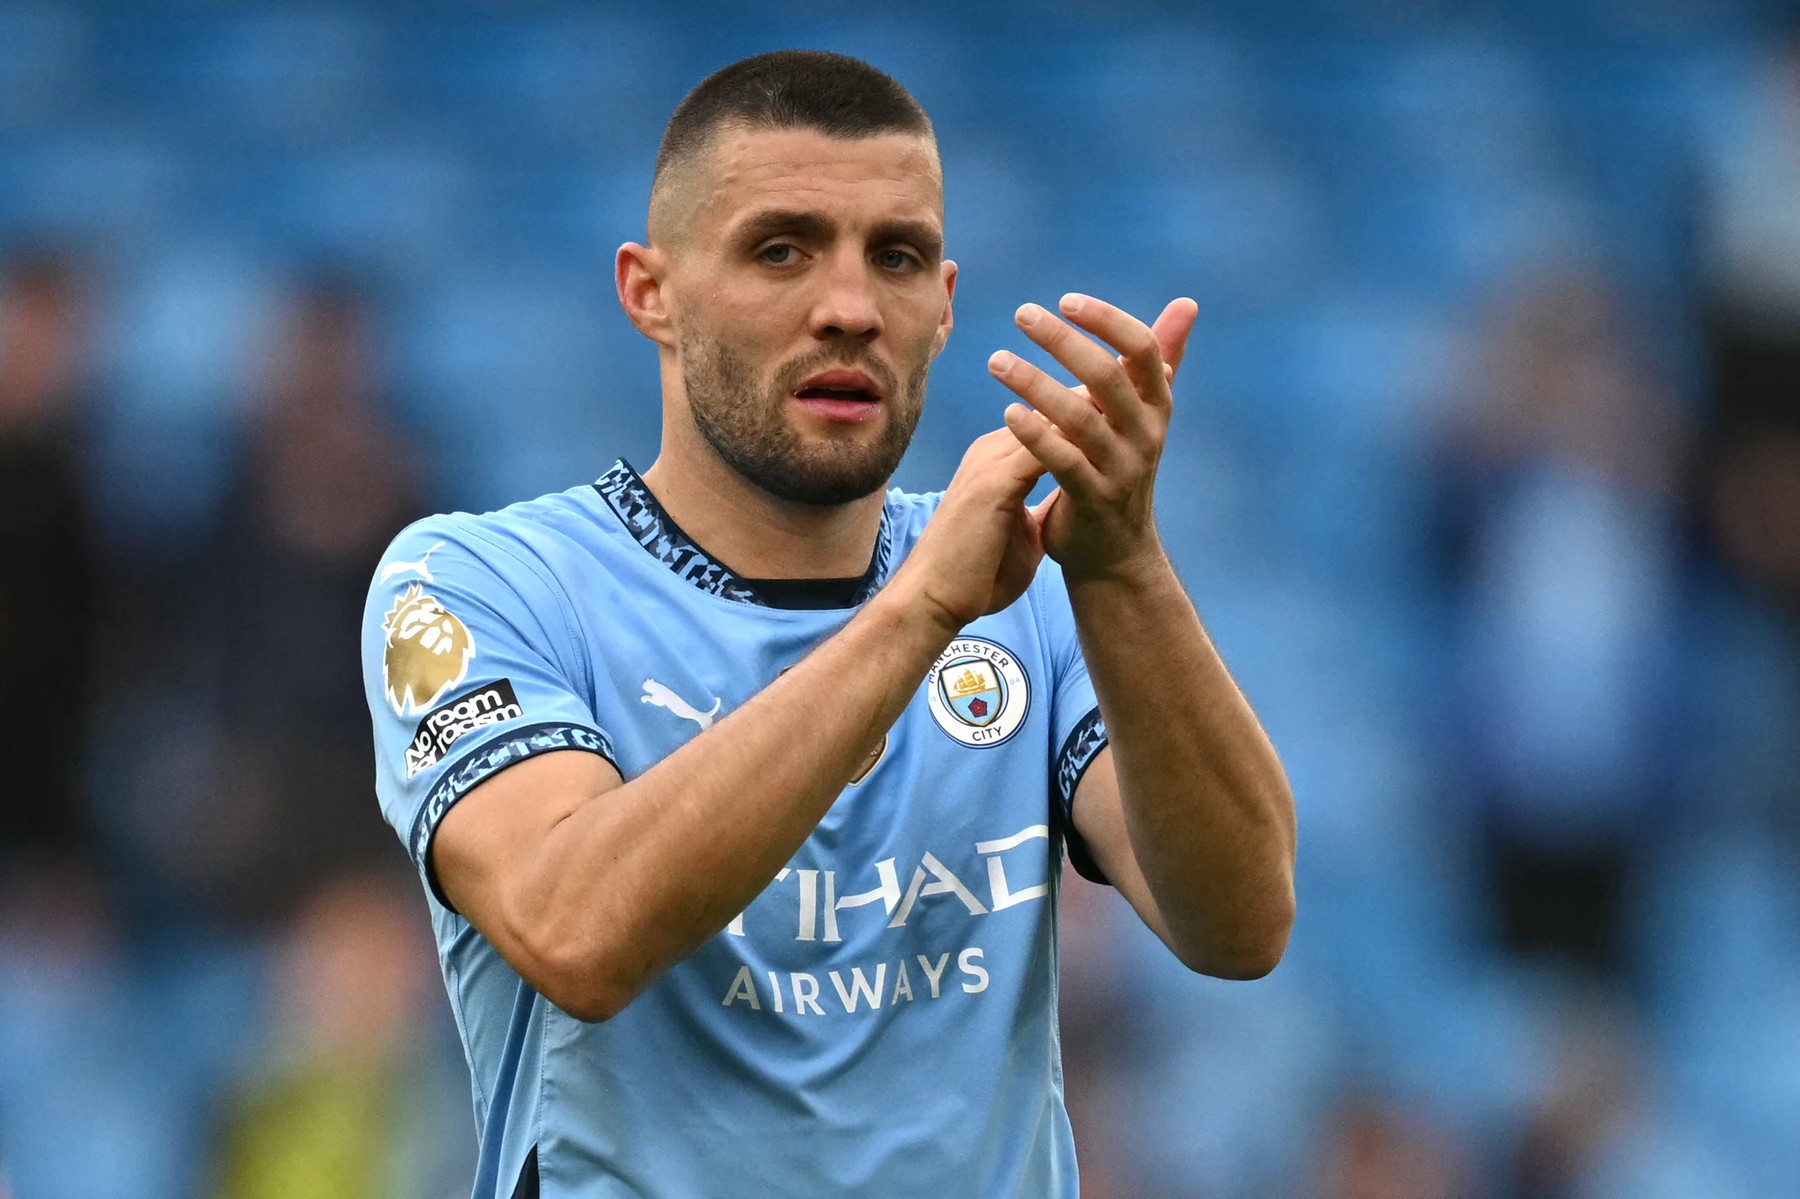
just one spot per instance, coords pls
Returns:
(977, 692)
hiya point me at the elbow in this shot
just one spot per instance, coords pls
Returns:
(584, 989)
(585, 1002)
(577, 973)
(1251, 952)
(1239, 964)
(589, 1009)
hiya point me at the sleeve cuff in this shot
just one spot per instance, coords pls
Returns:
(1079, 749)
(483, 763)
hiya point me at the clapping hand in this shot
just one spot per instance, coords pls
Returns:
(1101, 440)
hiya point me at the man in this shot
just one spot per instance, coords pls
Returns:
(741, 788)
(47, 585)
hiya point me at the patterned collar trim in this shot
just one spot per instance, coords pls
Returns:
(651, 527)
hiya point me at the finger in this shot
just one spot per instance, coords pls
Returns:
(1171, 331)
(1107, 385)
(997, 464)
(1071, 468)
(1080, 421)
(1021, 469)
(1106, 380)
(1139, 352)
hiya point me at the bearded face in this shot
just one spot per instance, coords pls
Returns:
(746, 419)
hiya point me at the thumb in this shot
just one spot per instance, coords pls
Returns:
(1040, 512)
(1021, 465)
(1171, 331)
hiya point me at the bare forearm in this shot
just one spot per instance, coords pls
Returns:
(636, 878)
(1207, 806)
(1201, 819)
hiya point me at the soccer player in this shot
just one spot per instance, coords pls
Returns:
(741, 786)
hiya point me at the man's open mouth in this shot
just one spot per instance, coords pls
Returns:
(841, 385)
(837, 393)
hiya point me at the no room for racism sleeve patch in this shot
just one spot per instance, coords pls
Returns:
(443, 727)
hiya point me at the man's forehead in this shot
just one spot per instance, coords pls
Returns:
(752, 169)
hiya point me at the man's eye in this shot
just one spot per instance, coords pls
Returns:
(778, 254)
(895, 260)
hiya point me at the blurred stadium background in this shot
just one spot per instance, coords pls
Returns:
(1486, 477)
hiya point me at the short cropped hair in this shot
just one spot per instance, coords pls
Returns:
(787, 89)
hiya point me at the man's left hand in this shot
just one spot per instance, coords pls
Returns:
(1101, 440)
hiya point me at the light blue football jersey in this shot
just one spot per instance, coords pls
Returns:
(882, 1020)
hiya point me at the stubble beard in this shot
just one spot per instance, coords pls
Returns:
(748, 427)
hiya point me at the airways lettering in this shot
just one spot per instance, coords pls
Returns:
(858, 991)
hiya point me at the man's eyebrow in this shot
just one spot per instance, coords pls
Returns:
(771, 221)
(922, 235)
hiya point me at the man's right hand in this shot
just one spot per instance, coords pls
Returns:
(982, 547)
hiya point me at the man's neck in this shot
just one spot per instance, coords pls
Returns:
(758, 535)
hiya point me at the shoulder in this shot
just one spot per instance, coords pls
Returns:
(484, 571)
(507, 544)
(456, 581)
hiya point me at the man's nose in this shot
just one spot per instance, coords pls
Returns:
(847, 305)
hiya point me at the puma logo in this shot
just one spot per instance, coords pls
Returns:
(658, 694)
(395, 569)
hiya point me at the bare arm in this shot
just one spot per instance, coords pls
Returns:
(1189, 811)
(591, 887)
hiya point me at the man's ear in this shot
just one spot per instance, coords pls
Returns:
(948, 320)
(640, 273)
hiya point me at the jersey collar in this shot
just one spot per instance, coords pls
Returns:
(654, 529)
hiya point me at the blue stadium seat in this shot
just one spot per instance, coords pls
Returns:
(390, 201)
(567, 79)
(240, 76)
(525, 379)
(95, 184)
(45, 58)
(183, 328)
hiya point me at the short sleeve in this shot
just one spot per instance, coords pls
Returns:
(470, 665)
(1078, 733)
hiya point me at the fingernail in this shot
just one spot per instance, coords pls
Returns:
(1073, 302)
(1030, 315)
(1014, 412)
(1000, 362)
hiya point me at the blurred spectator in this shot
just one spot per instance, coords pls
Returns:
(1596, 1128)
(1379, 1150)
(268, 785)
(1752, 233)
(1565, 571)
(1581, 1111)
(327, 480)
(1098, 1032)
(46, 582)
(350, 1101)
